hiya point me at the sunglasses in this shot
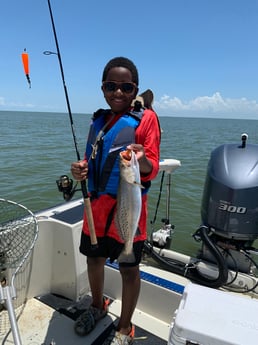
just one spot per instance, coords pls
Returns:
(111, 86)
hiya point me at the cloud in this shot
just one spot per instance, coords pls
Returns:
(207, 106)
(13, 105)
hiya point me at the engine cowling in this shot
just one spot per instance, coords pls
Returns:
(230, 196)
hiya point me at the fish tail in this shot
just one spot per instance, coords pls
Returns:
(126, 257)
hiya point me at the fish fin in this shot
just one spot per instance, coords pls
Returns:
(126, 257)
(137, 184)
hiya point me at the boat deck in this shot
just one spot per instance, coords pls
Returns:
(51, 319)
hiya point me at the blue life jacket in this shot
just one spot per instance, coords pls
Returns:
(103, 173)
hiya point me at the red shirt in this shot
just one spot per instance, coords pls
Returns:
(148, 135)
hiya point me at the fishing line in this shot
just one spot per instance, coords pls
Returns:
(63, 79)
(83, 183)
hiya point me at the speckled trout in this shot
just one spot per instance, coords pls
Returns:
(129, 203)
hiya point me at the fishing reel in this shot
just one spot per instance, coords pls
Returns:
(65, 186)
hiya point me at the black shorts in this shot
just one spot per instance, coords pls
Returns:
(110, 248)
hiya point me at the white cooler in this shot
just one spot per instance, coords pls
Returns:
(206, 316)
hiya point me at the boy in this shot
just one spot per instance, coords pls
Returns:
(120, 128)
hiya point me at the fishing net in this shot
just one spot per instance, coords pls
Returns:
(18, 234)
(18, 228)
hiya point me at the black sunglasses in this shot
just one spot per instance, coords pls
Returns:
(111, 86)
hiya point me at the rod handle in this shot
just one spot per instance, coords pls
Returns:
(88, 210)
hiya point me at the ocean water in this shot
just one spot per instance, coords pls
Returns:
(36, 148)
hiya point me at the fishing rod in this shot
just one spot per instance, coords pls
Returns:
(87, 204)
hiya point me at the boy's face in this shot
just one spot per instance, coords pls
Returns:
(119, 89)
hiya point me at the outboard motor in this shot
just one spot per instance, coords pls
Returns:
(230, 202)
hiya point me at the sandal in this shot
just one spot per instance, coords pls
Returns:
(117, 338)
(88, 319)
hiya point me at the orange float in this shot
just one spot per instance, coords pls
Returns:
(25, 61)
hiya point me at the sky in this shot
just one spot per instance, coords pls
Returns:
(199, 57)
